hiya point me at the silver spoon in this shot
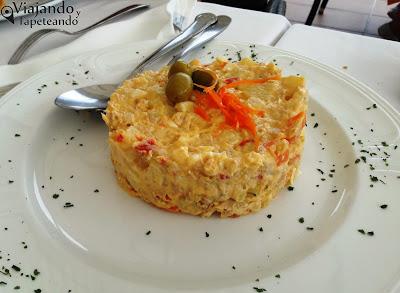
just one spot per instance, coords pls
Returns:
(38, 35)
(97, 99)
(223, 21)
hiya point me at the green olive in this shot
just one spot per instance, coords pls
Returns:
(204, 78)
(179, 66)
(179, 87)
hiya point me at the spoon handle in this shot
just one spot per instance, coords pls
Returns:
(210, 33)
(201, 22)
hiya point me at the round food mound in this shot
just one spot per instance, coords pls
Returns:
(225, 151)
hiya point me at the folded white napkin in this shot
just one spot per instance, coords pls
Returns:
(156, 23)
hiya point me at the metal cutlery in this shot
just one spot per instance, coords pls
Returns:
(87, 99)
(36, 36)
(210, 33)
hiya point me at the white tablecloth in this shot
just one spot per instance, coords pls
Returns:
(270, 27)
(373, 61)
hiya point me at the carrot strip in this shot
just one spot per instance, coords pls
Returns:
(291, 139)
(293, 119)
(202, 113)
(283, 158)
(250, 81)
(237, 114)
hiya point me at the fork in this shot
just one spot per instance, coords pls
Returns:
(36, 36)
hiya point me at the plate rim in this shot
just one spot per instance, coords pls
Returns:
(343, 76)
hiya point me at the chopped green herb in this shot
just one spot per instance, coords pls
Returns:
(233, 268)
(345, 166)
(3, 283)
(36, 272)
(37, 290)
(384, 206)
(312, 114)
(373, 178)
(334, 191)
(361, 231)
(55, 195)
(371, 233)
(96, 191)
(364, 159)
(68, 205)
(261, 229)
(15, 268)
(278, 276)
(17, 135)
(269, 216)
(315, 125)
(301, 220)
(290, 188)
(148, 232)
(17, 287)
(207, 234)
(259, 289)
(310, 228)
(320, 171)
(357, 161)
(384, 143)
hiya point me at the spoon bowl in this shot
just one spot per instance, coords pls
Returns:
(96, 97)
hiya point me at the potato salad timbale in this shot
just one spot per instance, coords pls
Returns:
(221, 138)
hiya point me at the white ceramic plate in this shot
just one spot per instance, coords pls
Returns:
(28, 3)
(100, 244)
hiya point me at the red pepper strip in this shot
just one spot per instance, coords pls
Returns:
(174, 209)
(146, 147)
(230, 80)
(245, 141)
(119, 138)
(202, 113)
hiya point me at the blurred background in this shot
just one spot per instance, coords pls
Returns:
(363, 17)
